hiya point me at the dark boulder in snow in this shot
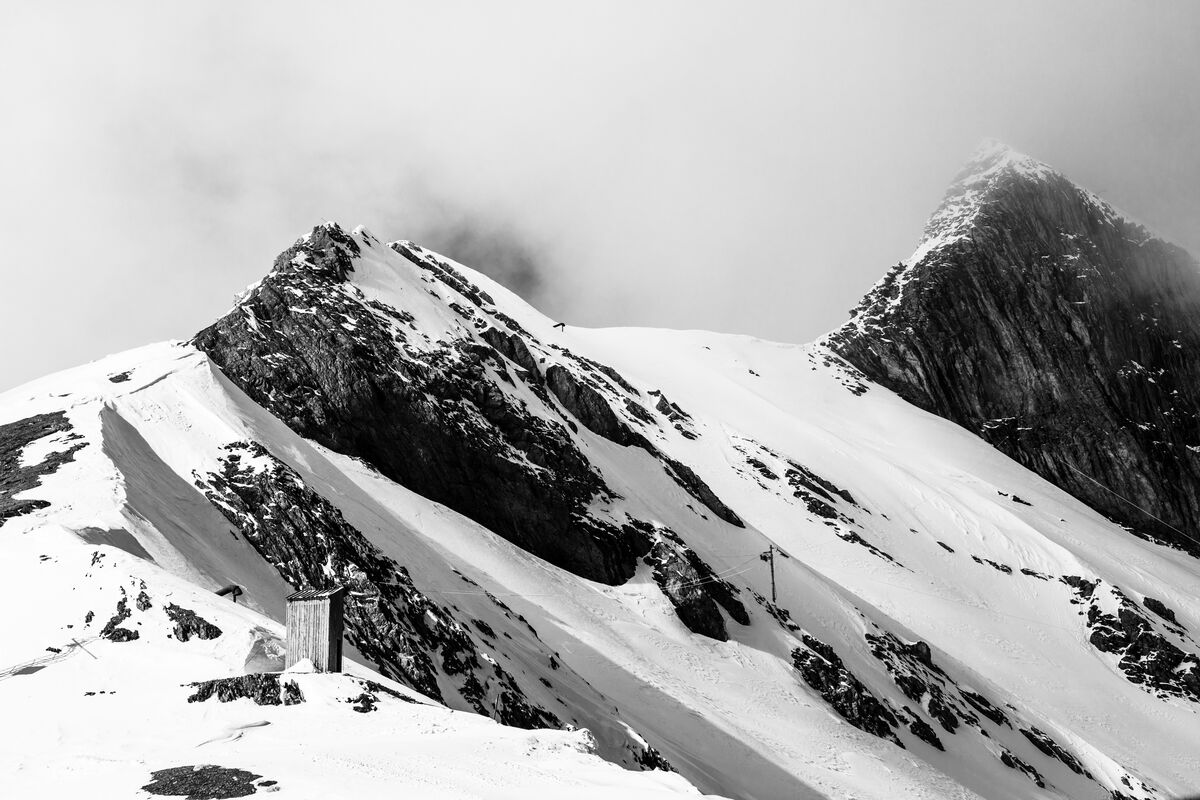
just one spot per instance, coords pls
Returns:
(204, 782)
(265, 689)
(189, 624)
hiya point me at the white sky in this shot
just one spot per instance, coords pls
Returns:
(744, 167)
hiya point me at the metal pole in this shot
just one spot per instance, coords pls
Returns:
(771, 551)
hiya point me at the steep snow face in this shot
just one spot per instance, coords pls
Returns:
(1038, 317)
(941, 622)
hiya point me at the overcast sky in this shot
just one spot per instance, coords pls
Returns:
(743, 167)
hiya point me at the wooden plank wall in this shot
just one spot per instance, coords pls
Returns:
(314, 630)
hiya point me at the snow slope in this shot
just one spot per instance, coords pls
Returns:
(916, 532)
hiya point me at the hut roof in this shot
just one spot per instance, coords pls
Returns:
(314, 594)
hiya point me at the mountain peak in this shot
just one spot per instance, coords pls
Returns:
(993, 156)
(993, 167)
(1020, 267)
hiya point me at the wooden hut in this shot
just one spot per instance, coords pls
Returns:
(314, 628)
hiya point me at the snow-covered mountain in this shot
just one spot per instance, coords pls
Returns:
(562, 529)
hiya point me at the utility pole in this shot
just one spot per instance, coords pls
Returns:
(769, 557)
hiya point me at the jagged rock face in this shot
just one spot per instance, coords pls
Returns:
(359, 377)
(1153, 654)
(1065, 335)
(407, 635)
(695, 591)
(823, 670)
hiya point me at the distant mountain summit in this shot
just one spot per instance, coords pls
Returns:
(1040, 318)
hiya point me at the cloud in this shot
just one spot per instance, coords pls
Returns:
(684, 164)
(497, 252)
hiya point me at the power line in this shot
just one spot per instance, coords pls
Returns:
(1130, 502)
(736, 569)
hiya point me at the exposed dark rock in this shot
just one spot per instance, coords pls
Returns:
(1159, 608)
(189, 624)
(1147, 656)
(677, 416)
(123, 635)
(443, 271)
(14, 478)
(1010, 760)
(207, 782)
(802, 479)
(309, 347)
(693, 588)
(405, 634)
(264, 689)
(1083, 587)
(921, 729)
(143, 601)
(364, 703)
(1005, 568)
(589, 405)
(855, 538)
(1058, 331)
(1042, 741)
(985, 707)
(823, 670)
(697, 488)
(919, 677)
(112, 629)
(649, 758)
(513, 347)
(763, 469)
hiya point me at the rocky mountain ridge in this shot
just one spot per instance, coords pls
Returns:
(566, 529)
(1044, 321)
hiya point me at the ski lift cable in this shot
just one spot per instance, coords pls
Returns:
(1130, 502)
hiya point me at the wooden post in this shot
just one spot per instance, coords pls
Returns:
(769, 557)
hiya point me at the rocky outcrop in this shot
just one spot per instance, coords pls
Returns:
(591, 402)
(1151, 653)
(588, 405)
(1037, 317)
(407, 636)
(695, 591)
(113, 630)
(262, 689)
(206, 782)
(358, 377)
(824, 671)
(188, 624)
(16, 478)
